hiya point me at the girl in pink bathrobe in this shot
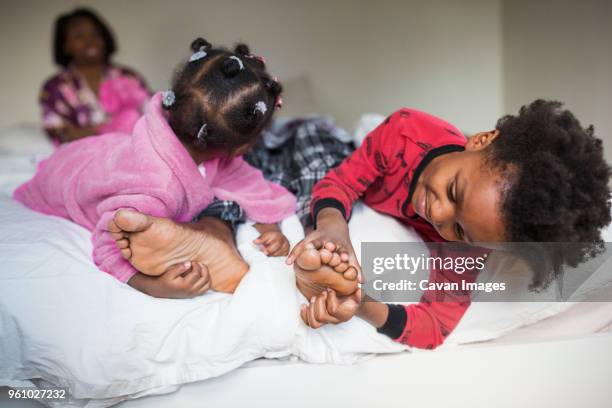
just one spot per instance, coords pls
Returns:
(185, 151)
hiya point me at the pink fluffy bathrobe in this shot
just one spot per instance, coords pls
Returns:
(87, 181)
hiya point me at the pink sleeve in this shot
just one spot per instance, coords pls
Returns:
(106, 254)
(261, 200)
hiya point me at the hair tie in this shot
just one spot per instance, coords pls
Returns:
(278, 102)
(198, 54)
(257, 57)
(239, 61)
(168, 98)
(261, 107)
(202, 133)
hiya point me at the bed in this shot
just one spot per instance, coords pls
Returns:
(553, 353)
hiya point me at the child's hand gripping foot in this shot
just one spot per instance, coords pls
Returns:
(320, 266)
(153, 245)
(271, 241)
(185, 280)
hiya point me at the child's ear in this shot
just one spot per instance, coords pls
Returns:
(481, 140)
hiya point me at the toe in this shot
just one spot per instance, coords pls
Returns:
(330, 246)
(126, 253)
(341, 267)
(118, 235)
(132, 221)
(335, 260)
(350, 273)
(309, 259)
(123, 243)
(325, 255)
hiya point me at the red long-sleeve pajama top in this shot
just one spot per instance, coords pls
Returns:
(383, 172)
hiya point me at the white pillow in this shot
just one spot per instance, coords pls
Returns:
(25, 139)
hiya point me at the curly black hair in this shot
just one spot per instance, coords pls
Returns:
(229, 91)
(61, 27)
(558, 188)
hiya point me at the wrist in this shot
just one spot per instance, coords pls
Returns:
(330, 216)
(266, 227)
(373, 312)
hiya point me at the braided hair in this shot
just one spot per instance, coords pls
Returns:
(221, 99)
(559, 186)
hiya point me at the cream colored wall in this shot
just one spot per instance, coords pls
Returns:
(359, 56)
(561, 49)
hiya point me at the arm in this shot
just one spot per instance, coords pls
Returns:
(343, 185)
(334, 195)
(71, 133)
(57, 119)
(421, 325)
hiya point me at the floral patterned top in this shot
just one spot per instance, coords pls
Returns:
(67, 100)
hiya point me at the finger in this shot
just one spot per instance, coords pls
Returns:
(203, 289)
(258, 240)
(273, 247)
(319, 307)
(284, 249)
(123, 243)
(332, 302)
(196, 267)
(202, 285)
(311, 317)
(321, 312)
(304, 314)
(175, 271)
(191, 277)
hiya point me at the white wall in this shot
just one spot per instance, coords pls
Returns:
(561, 49)
(440, 56)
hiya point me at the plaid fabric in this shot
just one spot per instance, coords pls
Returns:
(295, 153)
(226, 210)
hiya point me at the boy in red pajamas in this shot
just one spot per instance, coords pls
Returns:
(537, 177)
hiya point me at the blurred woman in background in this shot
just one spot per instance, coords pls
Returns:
(89, 95)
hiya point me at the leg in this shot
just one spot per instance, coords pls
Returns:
(323, 266)
(154, 244)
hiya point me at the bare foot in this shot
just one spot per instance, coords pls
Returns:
(317, 269)
(155, 244)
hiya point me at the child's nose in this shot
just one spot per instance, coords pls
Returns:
(442, 216)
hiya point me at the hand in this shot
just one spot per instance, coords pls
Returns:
(327, 307)
(180, 281)
(273, 243)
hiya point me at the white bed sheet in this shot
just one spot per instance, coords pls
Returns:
(15, 169)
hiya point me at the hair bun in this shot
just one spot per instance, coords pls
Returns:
(199, 43)
(231, 66)
(274, 87)
(242, 49)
